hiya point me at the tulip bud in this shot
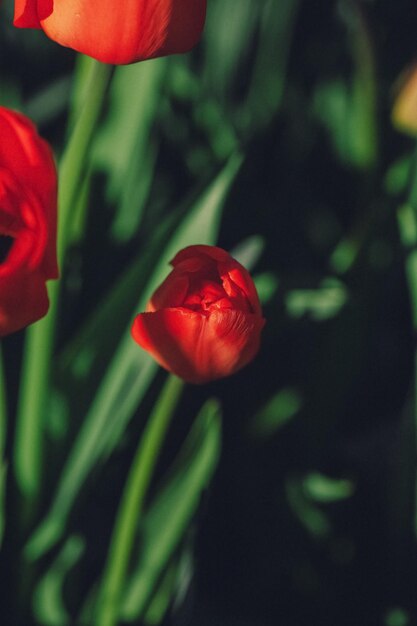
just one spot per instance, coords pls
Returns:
(27, 222)
(204, 321)
(404, 112)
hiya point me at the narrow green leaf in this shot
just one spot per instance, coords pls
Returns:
(248, 251)
(172, 510)
(36, 368)
(162, 597)
(129, 164)
(277, 412)
(48, 602)
(323, 488)
(129, 373)
(314, 520)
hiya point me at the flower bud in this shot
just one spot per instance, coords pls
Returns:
(204, 321)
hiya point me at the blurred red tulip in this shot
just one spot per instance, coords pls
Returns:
(404, 111)
(27, 222)
(205, 319)
(116, 32)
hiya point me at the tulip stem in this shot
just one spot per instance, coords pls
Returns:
(131, 505)
(73, 161)
(36, 367)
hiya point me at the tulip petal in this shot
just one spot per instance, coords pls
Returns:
(240, 277)
(196, 347)
(227, 267)
(27, 221)
(26, 14)
(24, 299)
(201, 251)
(135, 30)
(170, 293)
(24, 153)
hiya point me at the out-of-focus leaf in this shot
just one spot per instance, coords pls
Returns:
(50, 102)
(173, 508)
(10, 95)
(129, 161)
(277, 412)
(397, 617)
(48, 602)
(229, 28)
(129, 373)
(276, 26)
(322, 488)
(306, 511)
(397, 176)
(173, 587)
(232, 29)
(332, 106)
(348, 109)
(249, 251)
(344, 255)
(266, 286)
(321, 304)
(162, 597)
(306, 493)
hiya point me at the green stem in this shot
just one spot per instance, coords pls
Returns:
(132, 501)
(40, 336)
(73, 161)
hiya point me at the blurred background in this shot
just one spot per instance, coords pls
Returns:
(310, 516)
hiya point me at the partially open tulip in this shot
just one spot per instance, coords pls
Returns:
(204, 321)
(116, 31)
(27, 222)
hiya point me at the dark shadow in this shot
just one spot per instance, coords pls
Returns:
(6, 243)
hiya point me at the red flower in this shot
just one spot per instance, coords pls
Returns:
(204, 321)
(116, 31)
(27, 222)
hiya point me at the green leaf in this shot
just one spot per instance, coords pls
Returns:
(277, 412)
(130, 163)
(173, 508)
(129, 374)
(314, 520)
(322, 488)
(266, 285)
(162, 597)
(248, 251)
(48, 602)
(322, 303)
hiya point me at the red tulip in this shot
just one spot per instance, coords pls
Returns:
(204, 321)
(116, 31)
(27, 222)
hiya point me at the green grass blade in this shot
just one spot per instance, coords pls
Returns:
(129, 373)
(130, 163)
(48, 599)
(174, 507)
